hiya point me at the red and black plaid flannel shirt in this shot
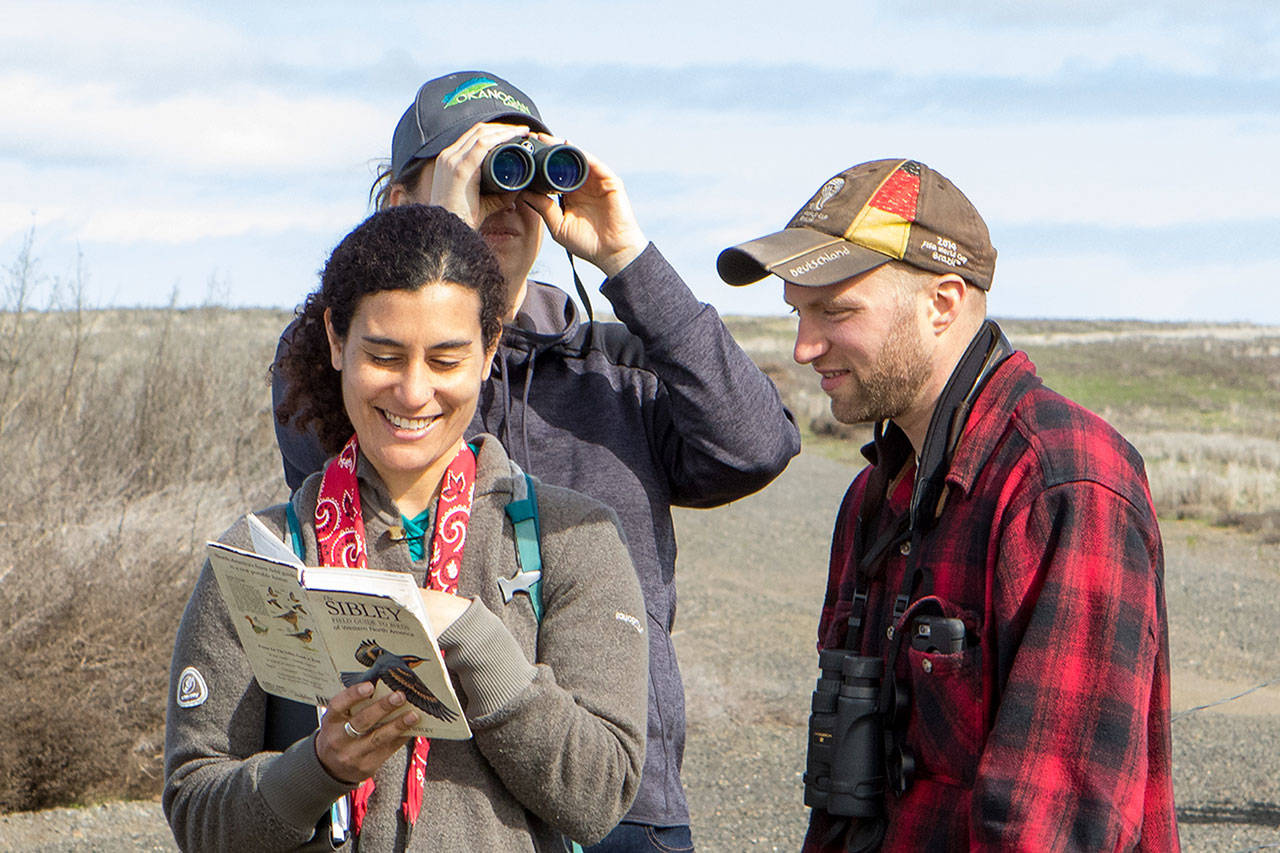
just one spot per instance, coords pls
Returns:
(1052, 732)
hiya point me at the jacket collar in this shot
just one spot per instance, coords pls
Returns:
(547, 316)
(957, 414)
(1009, 384)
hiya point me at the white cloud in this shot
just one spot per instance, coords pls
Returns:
(246, 129)
(174, 224)
(909, 39)
(187, 223)
(1148, 173)
(1108, 172)
(165, 125)
(114, 36)
(978, 37)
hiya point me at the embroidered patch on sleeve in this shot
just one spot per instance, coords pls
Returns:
(630, 620)
(192, 690)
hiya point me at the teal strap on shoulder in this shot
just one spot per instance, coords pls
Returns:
(295, 530)
(523, 512)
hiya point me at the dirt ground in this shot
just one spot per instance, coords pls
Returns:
(751, 577)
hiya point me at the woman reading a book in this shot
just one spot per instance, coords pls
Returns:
(386, 367)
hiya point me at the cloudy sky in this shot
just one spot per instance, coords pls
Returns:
(1123, 154)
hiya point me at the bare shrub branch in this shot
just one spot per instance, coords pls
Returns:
(147, 433)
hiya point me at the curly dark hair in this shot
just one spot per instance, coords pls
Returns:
(400, 248)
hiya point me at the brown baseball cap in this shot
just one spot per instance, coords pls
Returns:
(866, 216)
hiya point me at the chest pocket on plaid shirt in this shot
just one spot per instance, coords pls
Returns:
(945, 721)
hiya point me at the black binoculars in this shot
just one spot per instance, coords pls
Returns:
(530, 164)
(854, 757)
(844, 771)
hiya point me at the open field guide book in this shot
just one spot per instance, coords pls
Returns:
(310, 632)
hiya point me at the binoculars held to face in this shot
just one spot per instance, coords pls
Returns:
(531, 164)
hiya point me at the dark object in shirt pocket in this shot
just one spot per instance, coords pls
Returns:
(946, 724)
(937, 634)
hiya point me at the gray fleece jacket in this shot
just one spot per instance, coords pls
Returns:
(557, 708)
(663, 409)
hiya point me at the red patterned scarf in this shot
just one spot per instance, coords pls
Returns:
(341, 541)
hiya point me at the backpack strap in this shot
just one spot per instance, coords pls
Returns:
(523, 512)
(295, 529)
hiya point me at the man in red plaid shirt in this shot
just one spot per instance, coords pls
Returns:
(999, 559)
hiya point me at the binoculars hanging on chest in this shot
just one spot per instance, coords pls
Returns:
(852, 759)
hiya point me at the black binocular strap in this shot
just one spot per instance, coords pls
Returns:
(870, 565)
(892, 453)
(582, 294)
(985, 352)
(866, 560)
(988, 349)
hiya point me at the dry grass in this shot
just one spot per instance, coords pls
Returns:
(131, 436)
(1202, 403)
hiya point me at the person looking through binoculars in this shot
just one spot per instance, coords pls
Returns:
(658, 410)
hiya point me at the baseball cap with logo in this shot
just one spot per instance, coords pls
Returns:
(446, 106)
(866, 216)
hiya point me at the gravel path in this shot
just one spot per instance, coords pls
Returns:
(751, 581)
(752, 577)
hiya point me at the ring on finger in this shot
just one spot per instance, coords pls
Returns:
(352, 730)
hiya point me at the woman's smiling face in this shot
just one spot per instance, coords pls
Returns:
(412, 364)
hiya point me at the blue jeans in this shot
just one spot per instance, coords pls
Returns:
(642, 838)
